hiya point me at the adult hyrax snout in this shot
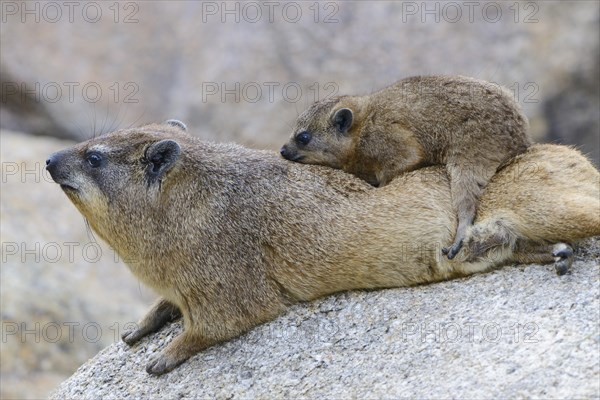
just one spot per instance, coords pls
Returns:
(229, 237)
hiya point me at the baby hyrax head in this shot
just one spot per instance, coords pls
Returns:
(323, 134)
(121, 170)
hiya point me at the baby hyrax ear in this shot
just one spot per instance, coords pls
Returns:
(342, 120)
(177, 123)
(162, 156)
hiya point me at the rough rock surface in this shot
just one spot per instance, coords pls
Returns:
(201, 63)
(520, 331)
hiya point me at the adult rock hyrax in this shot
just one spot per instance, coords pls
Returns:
(471, 126)
(230, 237)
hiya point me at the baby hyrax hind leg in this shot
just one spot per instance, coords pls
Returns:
(161, 313)
(466, 185)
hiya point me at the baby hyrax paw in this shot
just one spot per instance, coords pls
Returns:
(452, 251)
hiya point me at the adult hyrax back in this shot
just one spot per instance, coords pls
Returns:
(469, 125)
(230, 237)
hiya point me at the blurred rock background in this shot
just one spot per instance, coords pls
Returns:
(233, 71)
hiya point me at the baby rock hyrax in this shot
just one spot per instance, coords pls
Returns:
(230, 237)
(471, 126)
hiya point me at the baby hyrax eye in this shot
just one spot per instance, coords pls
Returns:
(94, 159)
(303, 138)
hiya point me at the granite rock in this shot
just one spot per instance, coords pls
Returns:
(517, 332)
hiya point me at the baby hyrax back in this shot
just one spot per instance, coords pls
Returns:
(471, 126)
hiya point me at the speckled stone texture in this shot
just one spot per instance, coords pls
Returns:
(519, 331)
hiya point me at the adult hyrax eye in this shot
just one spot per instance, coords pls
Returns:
(303, 138)
(94, 159)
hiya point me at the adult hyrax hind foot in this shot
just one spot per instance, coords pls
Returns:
(563, 258)
(559, 254)
(495, 240)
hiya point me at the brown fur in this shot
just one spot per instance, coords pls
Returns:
(230, 237)
(470, 126)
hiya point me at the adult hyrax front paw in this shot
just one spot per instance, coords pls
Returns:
(133, 336)
(180, 349)
(163, 363)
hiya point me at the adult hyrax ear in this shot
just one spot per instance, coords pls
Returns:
(177, 123)
(162, 156)
(342, 120)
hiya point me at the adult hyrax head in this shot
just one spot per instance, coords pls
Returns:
(103, 177)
